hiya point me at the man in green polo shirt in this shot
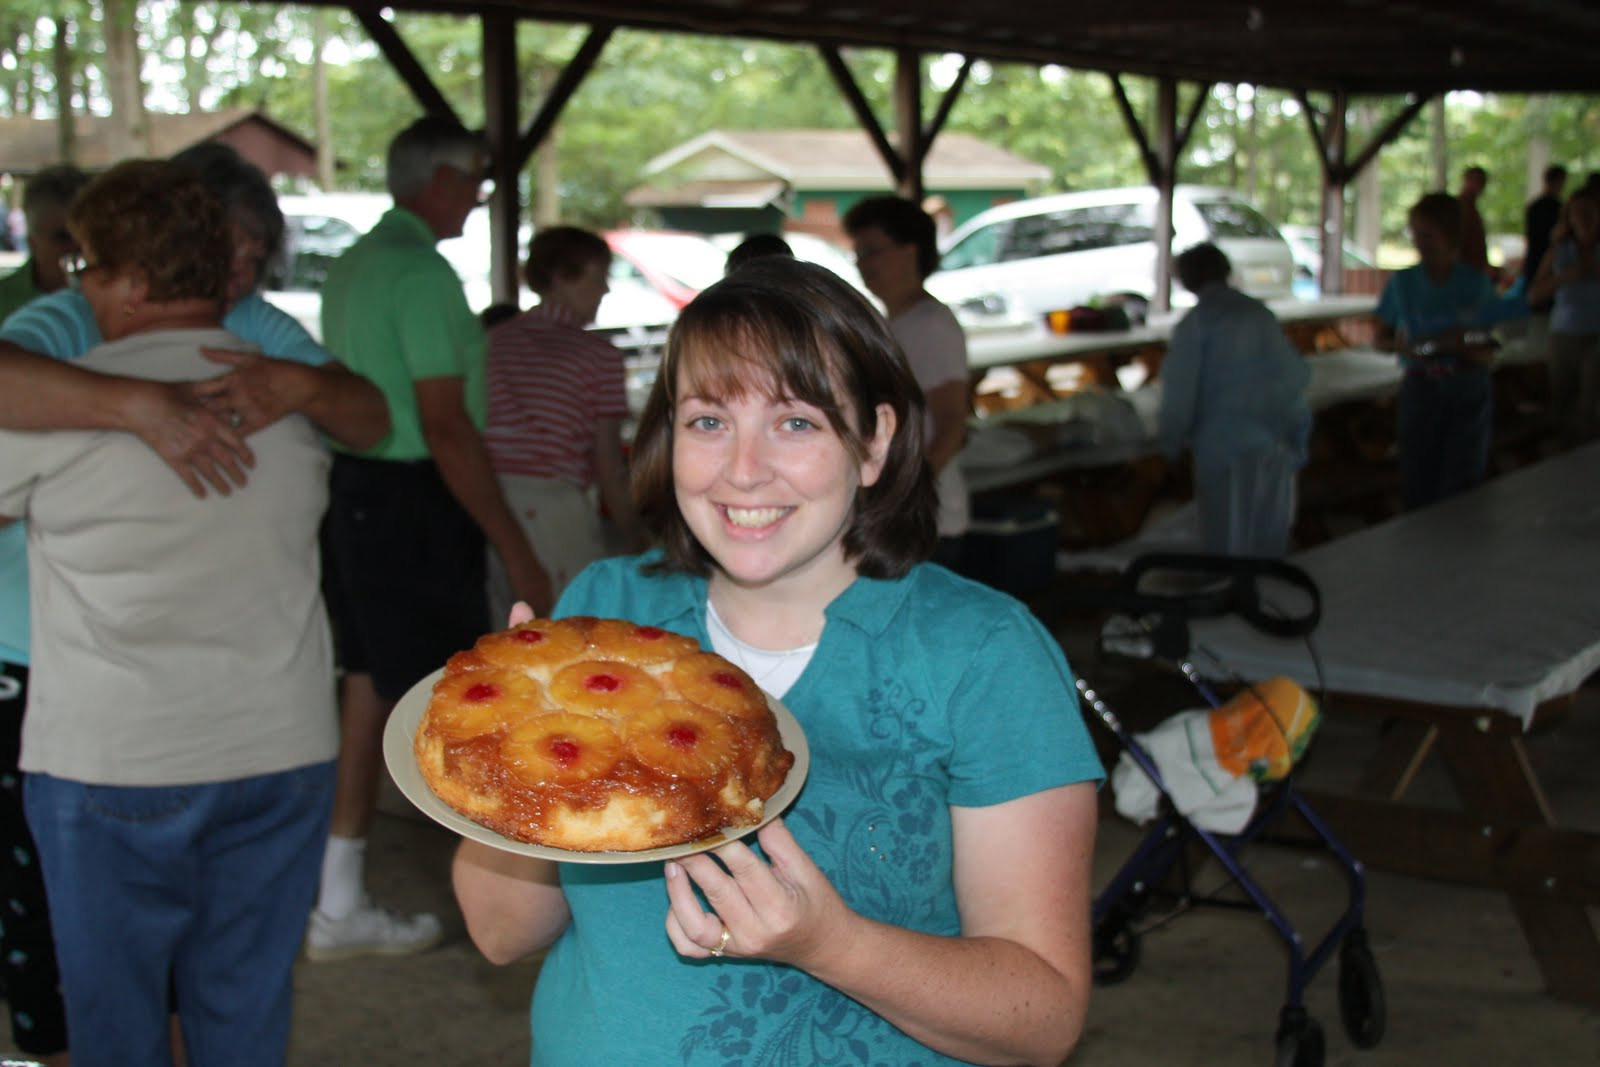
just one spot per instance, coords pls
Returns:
(408, 518)
(45, 197)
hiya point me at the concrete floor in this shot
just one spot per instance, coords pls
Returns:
(1461, 985)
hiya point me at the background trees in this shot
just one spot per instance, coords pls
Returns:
(652, 91)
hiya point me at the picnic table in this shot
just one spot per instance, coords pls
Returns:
(1462, 626)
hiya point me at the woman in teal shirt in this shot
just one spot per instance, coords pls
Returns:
(926, 898)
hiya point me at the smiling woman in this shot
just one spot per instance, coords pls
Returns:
(780, 462)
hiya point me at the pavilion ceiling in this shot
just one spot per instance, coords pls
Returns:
(1360, 46)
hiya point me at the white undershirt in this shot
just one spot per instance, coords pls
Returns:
(774, 672)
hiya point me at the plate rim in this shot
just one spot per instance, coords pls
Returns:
(399, 756)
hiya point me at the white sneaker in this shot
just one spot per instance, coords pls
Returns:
(370, 931)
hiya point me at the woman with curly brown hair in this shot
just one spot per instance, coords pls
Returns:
(180, 733)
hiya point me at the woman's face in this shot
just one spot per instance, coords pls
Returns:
(1433, 244)
(768, 488)
(249, 254)
(888, 268)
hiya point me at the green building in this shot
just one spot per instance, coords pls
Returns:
(777, 181)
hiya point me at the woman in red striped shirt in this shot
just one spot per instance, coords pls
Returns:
(556, 406)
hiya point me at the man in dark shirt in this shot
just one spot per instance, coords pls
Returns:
(1537, 221)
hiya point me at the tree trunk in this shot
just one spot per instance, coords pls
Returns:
(319, 100)
(547, 196)
(66, 122)
(1252, 147)
(1441, 144)
(130, 132)
(546, 164)
(1539, 108)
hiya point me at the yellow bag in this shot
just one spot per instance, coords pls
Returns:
(1264, 729)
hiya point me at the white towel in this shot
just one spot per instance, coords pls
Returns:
(1205, 793)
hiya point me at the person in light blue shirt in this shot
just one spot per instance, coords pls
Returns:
(1436, 316)
(1570, 277)
(1233, 392)
(925, 899)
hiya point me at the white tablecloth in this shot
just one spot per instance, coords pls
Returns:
(1489, 600)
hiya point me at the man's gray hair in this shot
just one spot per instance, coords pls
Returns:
(426, 145)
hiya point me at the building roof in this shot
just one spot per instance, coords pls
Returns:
(28, 145)
(837, 159)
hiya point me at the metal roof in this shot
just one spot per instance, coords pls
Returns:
(1360, 46)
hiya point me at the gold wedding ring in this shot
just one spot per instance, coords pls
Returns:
(722, 942)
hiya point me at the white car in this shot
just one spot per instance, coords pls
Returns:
(318, 228)
(1306, 246)
(1006, 268)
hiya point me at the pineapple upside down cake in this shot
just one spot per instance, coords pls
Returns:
(599, 735)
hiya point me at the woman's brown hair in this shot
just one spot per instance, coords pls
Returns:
(795, 330)
(158, 219)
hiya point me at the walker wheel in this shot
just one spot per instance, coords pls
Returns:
(1300, 1040)
(1116, 949)
(1362, 1007)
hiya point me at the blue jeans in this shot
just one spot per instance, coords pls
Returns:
(1443, 434)
(198, 890)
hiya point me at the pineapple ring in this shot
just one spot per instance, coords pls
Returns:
(706, 678)
(531, 645)
(681, 739)
(641, 646)
(483, 701)
(561, 749)
(594, 687)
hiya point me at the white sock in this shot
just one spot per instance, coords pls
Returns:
(343, 876)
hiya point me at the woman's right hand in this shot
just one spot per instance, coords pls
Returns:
(780, 908)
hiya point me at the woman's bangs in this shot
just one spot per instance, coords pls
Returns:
(728, 359)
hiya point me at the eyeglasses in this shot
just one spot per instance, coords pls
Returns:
(75, 266)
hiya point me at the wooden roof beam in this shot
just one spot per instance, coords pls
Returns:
(400, 57)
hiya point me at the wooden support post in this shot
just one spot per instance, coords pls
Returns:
(858, 103)
(405, 64)
(946, 102)
(1167, 160)
(1334, 176)
(908, 121)
(500, 127)
(572, 75)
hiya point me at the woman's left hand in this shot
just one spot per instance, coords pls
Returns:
(784, 910)
(249, 397)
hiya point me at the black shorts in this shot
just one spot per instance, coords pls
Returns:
(403, 571)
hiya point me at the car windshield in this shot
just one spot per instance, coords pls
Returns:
(1230, 219)
(693, 262)
(1078, 230)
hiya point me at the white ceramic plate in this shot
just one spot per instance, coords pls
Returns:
(397, 753)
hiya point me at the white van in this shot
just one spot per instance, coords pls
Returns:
(1004, 269)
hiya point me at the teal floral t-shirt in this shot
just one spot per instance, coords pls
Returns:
(924, 693)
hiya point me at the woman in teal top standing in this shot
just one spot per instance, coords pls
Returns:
(926, 898)
(1436, 316)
